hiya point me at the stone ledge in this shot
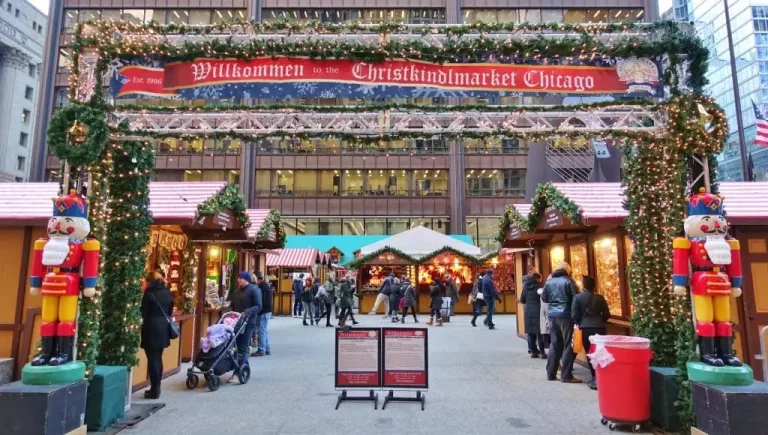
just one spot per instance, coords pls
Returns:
(6, 370)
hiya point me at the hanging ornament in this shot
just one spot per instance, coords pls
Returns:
(78, 134)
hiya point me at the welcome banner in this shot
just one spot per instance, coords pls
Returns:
(288, 77)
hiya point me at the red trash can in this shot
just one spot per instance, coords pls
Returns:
(622, 366)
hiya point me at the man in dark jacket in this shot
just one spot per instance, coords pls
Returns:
(298, 287)
(490, 296)
(590, 313)
(385, 289)
(532, 301)
(559, 293)
(266, 312)
(246, 300)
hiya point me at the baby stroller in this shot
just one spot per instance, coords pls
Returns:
(220, 359)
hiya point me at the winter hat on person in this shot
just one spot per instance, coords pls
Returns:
(588, 283)
(565, 266)
(245, 275)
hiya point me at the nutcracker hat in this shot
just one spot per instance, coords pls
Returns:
(705, 203)
(71, 205)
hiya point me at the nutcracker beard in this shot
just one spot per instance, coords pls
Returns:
(55, 250)
(718, 250)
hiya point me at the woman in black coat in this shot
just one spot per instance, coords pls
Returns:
(530, 297)
(156, 310)
(436, 303)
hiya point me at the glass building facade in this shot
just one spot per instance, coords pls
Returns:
(749, 27)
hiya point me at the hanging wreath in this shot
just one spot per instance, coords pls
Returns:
(78, 133)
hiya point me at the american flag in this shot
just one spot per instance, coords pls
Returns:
(761, 138)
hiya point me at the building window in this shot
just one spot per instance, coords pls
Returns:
(65, 60)
(32, 70)
(363, 16)
(572, 15)
(34, 25)
(19, 179)
(17, 13)
(23, 138)
(497, 182)
(25, 116)
(40, 29)
(21, 162)
(60, 98)
(10, 6)
(28, 93)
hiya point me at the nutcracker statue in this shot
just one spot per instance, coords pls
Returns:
(715, 275)
(62, 264)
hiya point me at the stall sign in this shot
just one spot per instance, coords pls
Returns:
(552, 217)
(222, 219)
(514, 232)
(404, 358)
(168, 240)
(358, 358)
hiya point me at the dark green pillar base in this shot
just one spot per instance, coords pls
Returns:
(52, 375)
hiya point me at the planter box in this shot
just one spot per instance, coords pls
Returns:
(42, 409)
(664, 392)
(730, 410)
(106, 397)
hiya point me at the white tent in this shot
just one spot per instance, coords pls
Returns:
(420, 241)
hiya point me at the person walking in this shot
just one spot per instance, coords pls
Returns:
(316, 302)
(298, 288)
(324, 298)
(246, 300)
(409, 301)
(330, 288)
(531, 299)
(346, 302)
(383, 296)
(266, 314)
(451, 291)
(156, 309)
(590, 313)
(490, 296)
(396, 293)
(307, 297)
(436, 303)
(476, 299)
(559, 293)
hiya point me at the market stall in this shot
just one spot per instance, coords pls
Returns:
(187, 223)
(284, 265)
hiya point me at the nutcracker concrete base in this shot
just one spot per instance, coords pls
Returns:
(700, 372)
(42, 409)
(730, 410)
(51, 375)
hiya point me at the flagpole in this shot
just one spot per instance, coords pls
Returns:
(736, 97)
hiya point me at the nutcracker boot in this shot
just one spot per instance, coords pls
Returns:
(725, 352)
(708, 352)
(64, 354)
(48, 345)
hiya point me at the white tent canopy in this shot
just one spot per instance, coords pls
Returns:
(420, 241)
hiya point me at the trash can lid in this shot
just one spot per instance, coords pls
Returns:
(622, 341)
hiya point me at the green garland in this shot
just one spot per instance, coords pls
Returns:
(294, 27)
(272, 224)
(472, 258)
(228, 198)
(91, 116)
(125, 259)
(366, 258)
(189, 264)
(647, 104)
(546, 195)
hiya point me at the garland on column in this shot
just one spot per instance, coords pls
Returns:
(189, 281)
(127, 235)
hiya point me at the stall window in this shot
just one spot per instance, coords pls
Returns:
(353, 227)
(375, 226)
(607, 271)
(396, 226)
(556, 256)
(579, 263)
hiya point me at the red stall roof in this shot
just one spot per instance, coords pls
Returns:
(291, 257)
(257, 217)
(743, 201)
(30, 203)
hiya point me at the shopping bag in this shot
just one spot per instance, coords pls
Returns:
(578, 344)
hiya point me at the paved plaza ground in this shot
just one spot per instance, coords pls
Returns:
(481, 382)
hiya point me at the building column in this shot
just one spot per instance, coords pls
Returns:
(46, 88)
(453, 12)
(248, 173)
(457, 191)
(254, 11)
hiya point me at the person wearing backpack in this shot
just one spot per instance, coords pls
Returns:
(590, 313)
(409, 300)
(395, 294)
